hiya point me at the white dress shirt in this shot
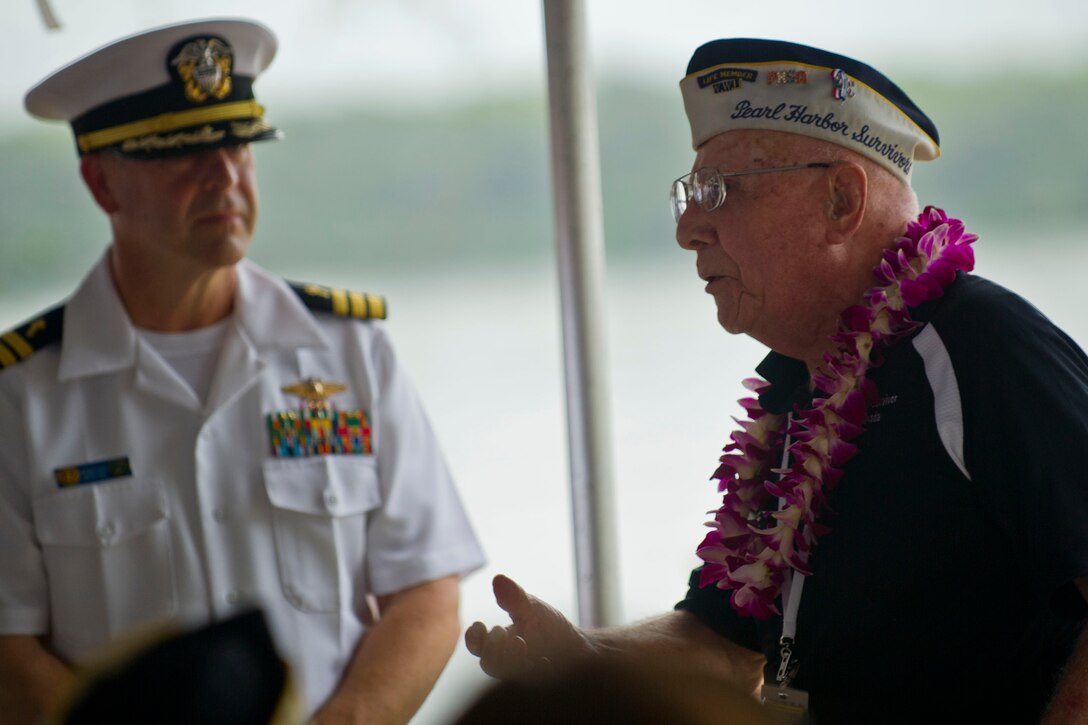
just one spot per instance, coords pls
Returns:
(209, 521)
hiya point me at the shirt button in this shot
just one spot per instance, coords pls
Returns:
(219, 515)
(105, 532)
(330, 499)
(232, 597)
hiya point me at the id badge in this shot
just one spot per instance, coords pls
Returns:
(785, 704)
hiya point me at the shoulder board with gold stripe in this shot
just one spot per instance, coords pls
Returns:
(26, 339)
(359, 305)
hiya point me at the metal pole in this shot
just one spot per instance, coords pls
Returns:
(579, 238)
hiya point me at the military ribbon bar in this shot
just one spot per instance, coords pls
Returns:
(319, 431)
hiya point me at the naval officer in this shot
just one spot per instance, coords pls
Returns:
(188, 436)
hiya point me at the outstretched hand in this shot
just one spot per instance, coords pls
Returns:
(538, 636)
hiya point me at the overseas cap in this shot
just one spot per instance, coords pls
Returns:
(164, 91)
(747, 83)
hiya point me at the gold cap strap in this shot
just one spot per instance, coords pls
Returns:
(169, 122)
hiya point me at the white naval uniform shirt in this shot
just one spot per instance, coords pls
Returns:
(209, 521)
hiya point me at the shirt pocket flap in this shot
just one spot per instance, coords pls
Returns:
(98, 515)
(324, 486)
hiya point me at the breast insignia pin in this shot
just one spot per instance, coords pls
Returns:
(314, 390)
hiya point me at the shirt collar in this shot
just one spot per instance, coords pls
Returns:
(99, 336)
(271, 314)
(789, 381)
(789, 377)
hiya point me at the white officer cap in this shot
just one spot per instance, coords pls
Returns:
(164, 91)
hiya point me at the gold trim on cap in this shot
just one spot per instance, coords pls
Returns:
(169, 122)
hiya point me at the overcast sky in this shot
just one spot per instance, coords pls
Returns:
(427, 52)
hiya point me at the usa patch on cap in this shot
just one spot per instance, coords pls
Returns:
(164, 91)
(748, 83)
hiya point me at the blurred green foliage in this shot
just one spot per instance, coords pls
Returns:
(470, 185)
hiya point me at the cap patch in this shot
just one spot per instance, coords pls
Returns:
(203, 66)
(723, 80)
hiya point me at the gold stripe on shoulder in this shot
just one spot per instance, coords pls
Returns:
(23, 341)
(341, 302)
(376, 306)
(358, 305)
(315, 290)
(16, 342)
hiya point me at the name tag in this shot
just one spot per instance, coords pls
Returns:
(92, 472)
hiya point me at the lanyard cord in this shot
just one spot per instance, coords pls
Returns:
(791, 597)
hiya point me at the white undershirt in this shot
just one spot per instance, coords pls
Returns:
(192, 354)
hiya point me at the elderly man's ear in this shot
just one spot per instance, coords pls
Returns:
(847, 191)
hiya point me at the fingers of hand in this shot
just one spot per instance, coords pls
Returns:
(474, 638)
(503, 653)
(511, 597)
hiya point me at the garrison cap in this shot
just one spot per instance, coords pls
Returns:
(748, 83)
(168, 90)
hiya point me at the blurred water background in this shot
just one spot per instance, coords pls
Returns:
(444, 207)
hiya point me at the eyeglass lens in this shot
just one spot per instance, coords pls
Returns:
(705, 187)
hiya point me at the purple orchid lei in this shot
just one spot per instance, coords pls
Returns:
(749, 549)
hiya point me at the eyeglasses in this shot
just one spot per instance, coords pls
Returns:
(706, 186)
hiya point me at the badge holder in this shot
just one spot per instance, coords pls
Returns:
(786, 704)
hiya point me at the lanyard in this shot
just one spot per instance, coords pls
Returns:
(792, 586)
(791, 601)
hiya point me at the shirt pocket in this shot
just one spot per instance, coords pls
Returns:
(319, 508)
(109, 560)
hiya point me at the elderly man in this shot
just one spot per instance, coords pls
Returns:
(189, 436)
(904, 530)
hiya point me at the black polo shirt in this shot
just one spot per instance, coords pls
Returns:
(944, 590)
